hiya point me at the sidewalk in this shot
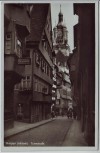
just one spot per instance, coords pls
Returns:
(20, 127)
(74, 136)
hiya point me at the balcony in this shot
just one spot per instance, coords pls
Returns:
(12, 67)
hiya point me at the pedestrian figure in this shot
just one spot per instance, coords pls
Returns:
(52, 114)
(52, 111)
(69, 113)
(74, 114)
(19, 112)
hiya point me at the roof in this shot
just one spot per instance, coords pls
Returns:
(38, 20)
(61, 24)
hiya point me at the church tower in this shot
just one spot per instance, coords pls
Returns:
(60, 38)
(60, 31)
(62, 51)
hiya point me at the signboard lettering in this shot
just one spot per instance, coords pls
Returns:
(24, 61)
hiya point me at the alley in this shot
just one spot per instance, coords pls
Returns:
(50, 134)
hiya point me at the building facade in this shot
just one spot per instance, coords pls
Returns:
(82, 68)
(16, 29)
(37, 86)
(54, 87)
(62, 51)
(73, 63)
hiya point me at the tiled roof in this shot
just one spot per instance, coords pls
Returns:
(38, 21)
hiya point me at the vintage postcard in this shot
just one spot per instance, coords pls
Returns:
(50, 68)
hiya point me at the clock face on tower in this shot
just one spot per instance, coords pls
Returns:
(59, 36)
(60, 33)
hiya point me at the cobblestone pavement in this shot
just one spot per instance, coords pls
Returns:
(50, 134)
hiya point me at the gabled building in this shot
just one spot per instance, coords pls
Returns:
(36, 89)
(16, 29)
(73, 63)
(54, 87)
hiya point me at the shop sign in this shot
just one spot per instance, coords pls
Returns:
(24, 61)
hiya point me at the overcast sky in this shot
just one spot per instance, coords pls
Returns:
(69, 19)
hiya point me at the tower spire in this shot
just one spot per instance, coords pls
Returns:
(64, 21)
(60, 8)
(60, 15)
(55, 22)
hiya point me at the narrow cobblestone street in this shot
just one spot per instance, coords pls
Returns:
(50, 134)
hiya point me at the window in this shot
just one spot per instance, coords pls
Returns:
(45, 89)
(17, 86)
(8, 36)
(28, 77)
(8, 43)
(37, 59)
(36, 85)
(26, 83)
(18, 46)
(47, 70)
(46, 46)
(42, 65)
(19, 49)
(40, 62)
(47, 26)
(51, 73)
(40, 86)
